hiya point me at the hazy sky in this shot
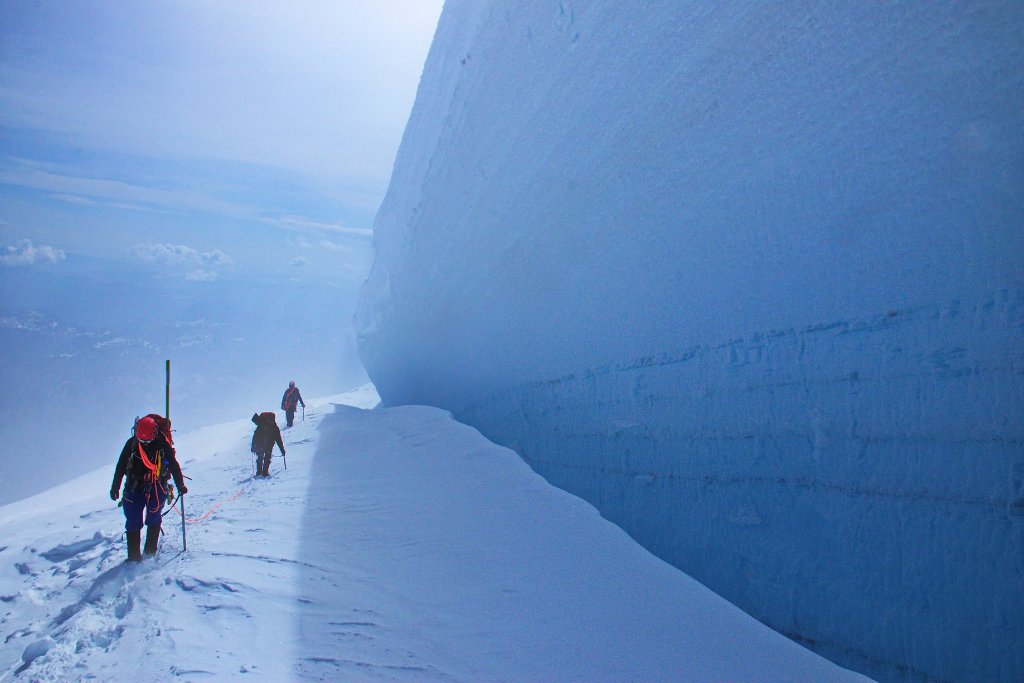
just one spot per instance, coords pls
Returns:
(192, 180)
(222, 134)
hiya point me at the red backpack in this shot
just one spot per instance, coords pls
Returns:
(151, 471)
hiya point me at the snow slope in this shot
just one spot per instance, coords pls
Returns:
(398, 545)
(749, 278)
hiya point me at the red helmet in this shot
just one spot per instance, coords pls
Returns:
(145, 429)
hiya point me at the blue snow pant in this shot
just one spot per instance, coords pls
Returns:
(289, 414)
(136, 506)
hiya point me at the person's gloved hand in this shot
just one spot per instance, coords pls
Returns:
(182, 490)
(114, 493)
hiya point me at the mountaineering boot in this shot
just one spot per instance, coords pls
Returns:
(134, 541)
(152, 536)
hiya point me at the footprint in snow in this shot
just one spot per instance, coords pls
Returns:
(109, 594)
(66, 552)
(190, 584)
(107, 587)
(33, 652)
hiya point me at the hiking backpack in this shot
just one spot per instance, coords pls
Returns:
(163, 426)
(153, 471)
(263, 434)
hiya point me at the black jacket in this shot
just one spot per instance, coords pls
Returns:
(130, 464)
(291, 398)
(267, 434)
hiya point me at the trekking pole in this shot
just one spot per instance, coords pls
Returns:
(303, 414)
(184, 544)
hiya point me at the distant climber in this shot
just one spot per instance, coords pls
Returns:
(291, 399)
(263, 439)
(149, 461)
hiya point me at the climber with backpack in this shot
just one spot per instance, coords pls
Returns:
(149, 462)
(290, 401)
(263, 439)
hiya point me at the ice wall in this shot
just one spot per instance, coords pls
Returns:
(750, 278)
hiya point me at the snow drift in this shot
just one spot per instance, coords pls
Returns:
(397, 545)
(750, 279)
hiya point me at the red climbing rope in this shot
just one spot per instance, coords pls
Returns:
(200, 518)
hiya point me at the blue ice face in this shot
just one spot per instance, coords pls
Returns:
(749, 278)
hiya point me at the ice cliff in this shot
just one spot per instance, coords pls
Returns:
(749, 277)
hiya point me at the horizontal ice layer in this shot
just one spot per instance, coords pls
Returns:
(853, 486)
(750, 279)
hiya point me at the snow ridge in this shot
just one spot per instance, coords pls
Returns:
(397, 545)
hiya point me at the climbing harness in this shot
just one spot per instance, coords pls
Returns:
(152, 478)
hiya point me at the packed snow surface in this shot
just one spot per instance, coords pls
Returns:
(748, 277)
(397, 545)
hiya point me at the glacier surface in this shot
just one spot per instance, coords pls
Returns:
(750, 279)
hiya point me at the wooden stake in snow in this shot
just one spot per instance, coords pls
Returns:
(167, 414)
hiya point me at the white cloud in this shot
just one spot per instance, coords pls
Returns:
(298, 261)
(72, 199)
(307, 225)
(201, 276)
(87, 201)
(200, 263)
(114, 341)
(25, 254)
(179, 254)
(77, 189)
(215, 258)
(165, 253)
(334, 246)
